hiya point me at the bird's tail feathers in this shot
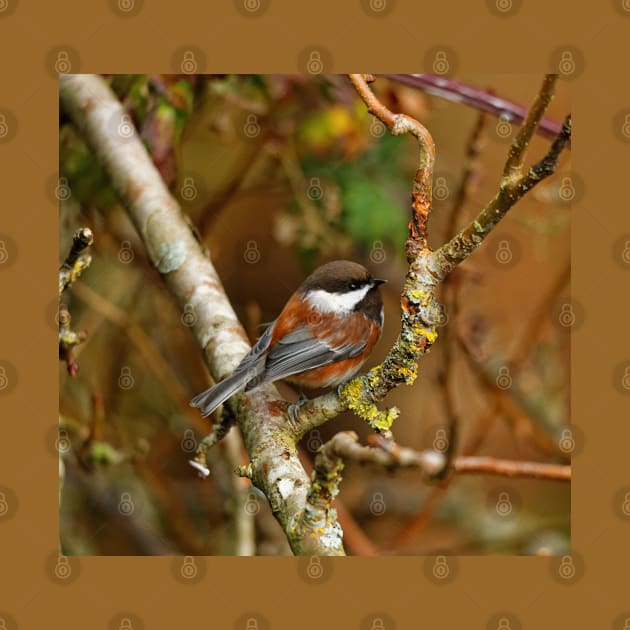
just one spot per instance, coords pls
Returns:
(209, 400)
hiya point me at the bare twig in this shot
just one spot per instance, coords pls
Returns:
(484, 100)
(518, 148)
(344, 446)
(68, 340)
(236, 493)
(77, 261)
(514, 185)
(507, 468)
(451, 286)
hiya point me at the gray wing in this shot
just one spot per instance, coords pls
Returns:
(298, 351)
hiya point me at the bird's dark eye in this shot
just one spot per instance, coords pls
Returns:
(353, 285)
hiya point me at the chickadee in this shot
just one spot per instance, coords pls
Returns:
(322, 337)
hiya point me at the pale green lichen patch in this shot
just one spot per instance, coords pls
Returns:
(170, 256)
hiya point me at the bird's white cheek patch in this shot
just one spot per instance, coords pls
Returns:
(326, 302)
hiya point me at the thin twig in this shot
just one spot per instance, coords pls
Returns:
(451, 289)
(484, 100)
(76, 261)
(344, 446)
(507, 468)
(520, 144)
(514, 185)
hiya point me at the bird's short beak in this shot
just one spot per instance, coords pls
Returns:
(377, 281)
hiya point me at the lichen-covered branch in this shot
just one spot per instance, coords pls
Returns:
(421, 311)
(193, 282)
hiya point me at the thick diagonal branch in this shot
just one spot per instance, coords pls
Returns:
(195, 285)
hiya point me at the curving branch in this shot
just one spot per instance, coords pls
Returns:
(344, 447)
(421, 311)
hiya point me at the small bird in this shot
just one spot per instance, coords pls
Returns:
(321, 338)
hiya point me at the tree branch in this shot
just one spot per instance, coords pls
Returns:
(483, 100)
(514, 185)
(193, 282)
(269, 427)
(344, 447)
(421, 312)
(76, 261)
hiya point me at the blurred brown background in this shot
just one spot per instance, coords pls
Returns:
(278, 174)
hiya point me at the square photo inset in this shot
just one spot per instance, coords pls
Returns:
(315, 315)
